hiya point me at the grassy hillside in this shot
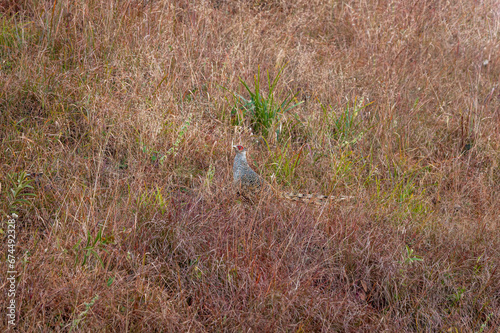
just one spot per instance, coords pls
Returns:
(130, 108)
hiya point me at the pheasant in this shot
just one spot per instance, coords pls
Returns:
(251, 186)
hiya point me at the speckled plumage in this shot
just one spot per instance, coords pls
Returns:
(246, 181)
(242, 173)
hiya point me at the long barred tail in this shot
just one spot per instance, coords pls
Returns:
(316, 199)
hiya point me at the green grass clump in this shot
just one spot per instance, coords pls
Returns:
(263, 110)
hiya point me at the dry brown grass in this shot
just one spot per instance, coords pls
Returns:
(94, 93)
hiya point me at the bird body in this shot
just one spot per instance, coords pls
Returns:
(242, 173)
(247, 182)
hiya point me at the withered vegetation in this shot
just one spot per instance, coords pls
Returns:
(129, 109)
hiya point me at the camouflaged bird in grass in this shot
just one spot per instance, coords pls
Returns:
(252, 187)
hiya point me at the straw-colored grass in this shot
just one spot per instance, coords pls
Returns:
(129, 108)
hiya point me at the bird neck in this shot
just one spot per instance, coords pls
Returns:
(242, 158)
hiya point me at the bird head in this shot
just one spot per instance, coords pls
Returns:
(239, 149)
